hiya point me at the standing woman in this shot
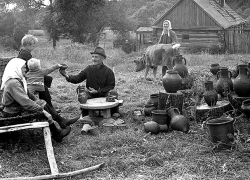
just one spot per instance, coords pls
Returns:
(168, 36)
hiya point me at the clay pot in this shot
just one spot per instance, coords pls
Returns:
(214, 68)
(159, 116)
(241, 83)
(163, 127)
(152, 127)
(172, 81)
(179, 63)
(178, 122)
(154, 99)
(224, 85)
(220, 128)
(245, 107)
(148, 108)
(210, 95)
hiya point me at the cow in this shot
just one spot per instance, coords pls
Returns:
(157, 55)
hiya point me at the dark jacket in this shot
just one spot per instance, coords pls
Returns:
(165, 39)
(101, 79)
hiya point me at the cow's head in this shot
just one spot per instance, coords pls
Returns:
(140, 63)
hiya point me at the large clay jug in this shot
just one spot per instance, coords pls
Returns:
(178, 122)
(241, 83)
(210, 95)
(214, 68)
(82, 95)
(224, 85)
(172, 81)
(179, 63)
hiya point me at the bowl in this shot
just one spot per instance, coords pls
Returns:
(64, 66)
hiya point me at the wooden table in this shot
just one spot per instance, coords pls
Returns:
(100, 104)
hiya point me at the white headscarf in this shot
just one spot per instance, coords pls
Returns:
(169, 27)
(14, 70)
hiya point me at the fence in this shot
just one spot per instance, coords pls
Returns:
(237, 42)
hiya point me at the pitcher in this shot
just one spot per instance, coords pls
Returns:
(224, 85)
(241, 83)
(82, 94)
(180, 65)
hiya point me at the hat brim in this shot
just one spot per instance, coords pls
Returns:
(103, 55)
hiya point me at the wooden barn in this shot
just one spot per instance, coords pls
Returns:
(206, 23)
(144, 37)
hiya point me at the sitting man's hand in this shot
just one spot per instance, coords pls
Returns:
(92, 90)
(63, 73)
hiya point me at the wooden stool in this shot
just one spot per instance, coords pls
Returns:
(100, 104)
(204, 111)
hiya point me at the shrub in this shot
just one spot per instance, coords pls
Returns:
(127, 44)
(8, 42)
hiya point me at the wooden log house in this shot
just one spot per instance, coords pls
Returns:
(206, 23)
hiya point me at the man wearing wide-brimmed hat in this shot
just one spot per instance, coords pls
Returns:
(100, 79)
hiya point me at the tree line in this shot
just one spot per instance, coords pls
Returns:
(84, 20)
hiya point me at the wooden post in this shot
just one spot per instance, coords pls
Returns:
(203, 111)
(167, 100)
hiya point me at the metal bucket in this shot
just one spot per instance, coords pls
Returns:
(221, 129)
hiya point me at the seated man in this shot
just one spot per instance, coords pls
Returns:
(16, 99)
(100, 79)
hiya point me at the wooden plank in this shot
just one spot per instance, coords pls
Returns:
(60, 175)
(18, 127)
(50, 151)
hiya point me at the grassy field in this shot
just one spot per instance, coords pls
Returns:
(130, 153)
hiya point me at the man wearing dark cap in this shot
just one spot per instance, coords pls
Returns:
(100, 79)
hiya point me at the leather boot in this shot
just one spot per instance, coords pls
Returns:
(59, 134)
(64, 123)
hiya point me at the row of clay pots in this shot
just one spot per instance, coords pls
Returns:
(224, 84)
(161, 119)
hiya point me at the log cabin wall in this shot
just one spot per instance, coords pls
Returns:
(192, 26)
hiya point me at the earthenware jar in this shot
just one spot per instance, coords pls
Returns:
(241, 83)
(245, 107)
(224, 85)
(179, 63)
(210, 95)
(214, 68)
(148, 108)
(220, 129)
(82, 95)
(152, 126)
(178, 122)
(154, 99)
(172, 81)
(159, 116)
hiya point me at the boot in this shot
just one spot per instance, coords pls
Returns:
(59, 134)
(64, 123)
